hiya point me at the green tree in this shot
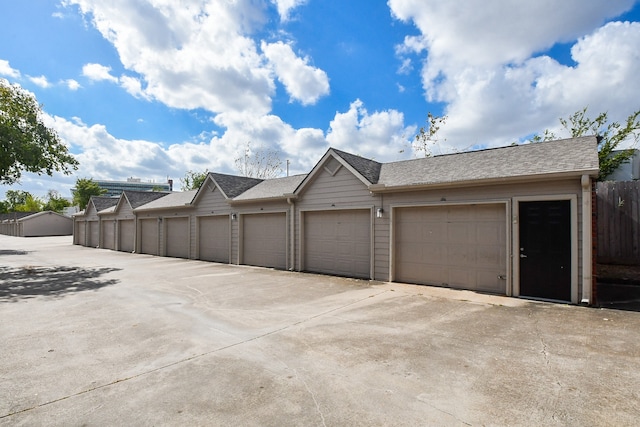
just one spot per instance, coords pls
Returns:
(193, 180)
(26, 144)
(427, 137)
(610, 136)
(259, 163)
(31, 204)
(55, 202)
(15, 198)
(84, 189)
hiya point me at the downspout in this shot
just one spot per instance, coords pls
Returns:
(292, 230)
(587, 242)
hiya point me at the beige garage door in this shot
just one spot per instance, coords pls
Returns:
(94, 234)
(80, 234)
(177, 237)
(149, 236)
(458, 246)
(108, 234)
(126, 236)
(213, 238)
(338, 242)
(264, 240)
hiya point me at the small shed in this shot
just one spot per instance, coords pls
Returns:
(38, 224)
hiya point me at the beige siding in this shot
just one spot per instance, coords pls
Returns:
(451, 196)
(176, 237)
(79, 232)
(327, 192)
(47, 224)
(108, 236)
(264, 240)
(459, 246)
(259, 207)
(148, 236)
(213, 238)
(126, 235)
(164, 214)
(94, 233)
(338, 242)
(210, 202)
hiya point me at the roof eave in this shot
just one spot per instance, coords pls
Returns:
(282, 197)
(382, 188)
(163, 208)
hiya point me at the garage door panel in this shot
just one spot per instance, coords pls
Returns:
(213, 238)
(265, 240)
(126, 235)
(149, 236)
(338, 242)
(177, 238)
(459, 246)
(94, 234)
(108, 234)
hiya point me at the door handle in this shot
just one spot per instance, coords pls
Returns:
(523, 256)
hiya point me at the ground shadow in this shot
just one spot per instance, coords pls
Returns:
(620, 296)
(29, 282)
(12, 252)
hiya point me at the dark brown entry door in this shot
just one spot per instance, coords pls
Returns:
(545, 249)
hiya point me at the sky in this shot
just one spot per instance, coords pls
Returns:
(152, 89)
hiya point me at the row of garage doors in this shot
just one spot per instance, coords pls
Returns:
(457, 246)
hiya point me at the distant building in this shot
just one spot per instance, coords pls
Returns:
(115, 188)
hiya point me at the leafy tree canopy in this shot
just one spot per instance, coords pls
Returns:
(193, 180)
(55, 202)
(611, 135)
(84, 189)
(26, 144)
(23, 201)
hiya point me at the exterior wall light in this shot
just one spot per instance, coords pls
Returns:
(234, 216)
(379, 213)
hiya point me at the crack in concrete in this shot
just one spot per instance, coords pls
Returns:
(313, 396)
(421, 399)
(194, 357)
(544, 351)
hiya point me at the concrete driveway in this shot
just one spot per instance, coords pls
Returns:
(96, 337)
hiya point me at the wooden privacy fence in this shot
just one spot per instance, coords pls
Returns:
(618, 210)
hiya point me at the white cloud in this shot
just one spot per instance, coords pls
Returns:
(302, 81)
(482, 60)
(7, 70)
(380, 135)
(133, 86)
(191, 54)
(285, 7)
(40, 81)
(98, 72)
(72, 84)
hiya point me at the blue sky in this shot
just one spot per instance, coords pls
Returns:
(153, 88)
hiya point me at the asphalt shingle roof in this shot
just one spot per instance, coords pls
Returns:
(233, 185)
(370, 169)
(15, 215)
(102, 203)
(171, 200)
(562, 156)
(272, 188)
(139, 198)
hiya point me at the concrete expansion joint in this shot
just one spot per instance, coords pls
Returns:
(198, 356)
